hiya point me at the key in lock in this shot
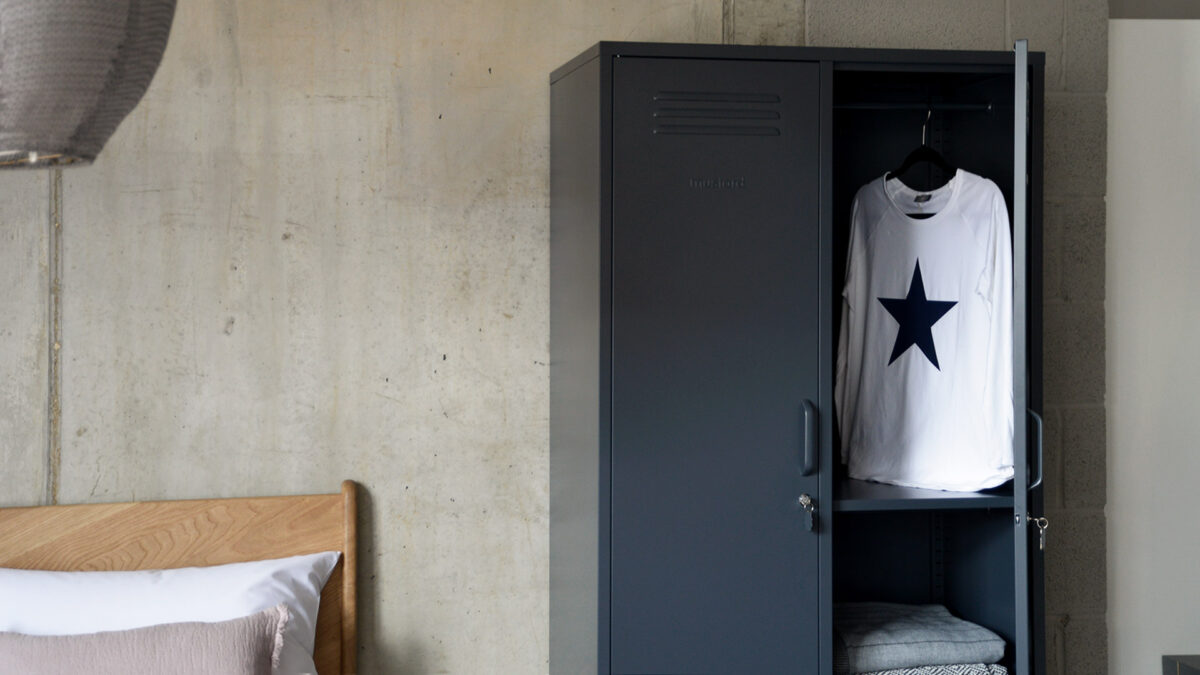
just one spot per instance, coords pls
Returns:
(1043, 524)
(810, 509)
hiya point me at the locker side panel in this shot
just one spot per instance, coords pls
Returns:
(578, 400)
(716, 347)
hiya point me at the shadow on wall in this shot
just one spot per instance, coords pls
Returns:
(411, 656)
(411, 659)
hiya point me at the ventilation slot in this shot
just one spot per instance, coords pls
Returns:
(712, 113)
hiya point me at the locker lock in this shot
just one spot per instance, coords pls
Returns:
(810, 510)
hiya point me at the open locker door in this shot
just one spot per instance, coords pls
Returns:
(1027, 458)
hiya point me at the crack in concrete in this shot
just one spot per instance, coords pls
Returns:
(727, 22)
(53, 460)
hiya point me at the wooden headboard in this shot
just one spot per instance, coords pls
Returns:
(168, 534)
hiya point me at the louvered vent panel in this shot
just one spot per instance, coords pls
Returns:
(716, 113)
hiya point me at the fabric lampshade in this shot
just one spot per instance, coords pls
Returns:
(70, 71)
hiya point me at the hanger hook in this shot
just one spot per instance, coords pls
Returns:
(925, 126)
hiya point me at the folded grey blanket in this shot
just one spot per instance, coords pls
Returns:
(881, 636)
(955, 669)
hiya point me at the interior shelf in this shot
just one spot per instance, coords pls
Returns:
(858, 495)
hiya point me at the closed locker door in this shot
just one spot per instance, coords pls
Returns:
(716, 282)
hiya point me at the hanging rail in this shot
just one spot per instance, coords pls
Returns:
(969, 107)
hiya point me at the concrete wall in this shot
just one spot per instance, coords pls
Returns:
(318, 250)
(1153, 316)
(24, 342)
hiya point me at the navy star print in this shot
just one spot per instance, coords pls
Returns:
(916, 317)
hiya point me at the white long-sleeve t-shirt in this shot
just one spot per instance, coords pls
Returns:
(924, 370)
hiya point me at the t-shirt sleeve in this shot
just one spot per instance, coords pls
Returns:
(854, 255)
(844, 391)
(998, 264)
(999, 295)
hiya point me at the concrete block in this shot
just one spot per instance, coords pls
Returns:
(1082, 241)
(1084, 457)
(1041, 22)
(1055, 638)
(1075, 562)
(1075, 150)
(764, 22)
(1085, 648)
(24, 217)
(924, 24)
(1052, 252)
(1073, 358)
(1052, 455)
(1087, 45)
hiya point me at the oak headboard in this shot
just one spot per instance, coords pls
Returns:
(168, 534)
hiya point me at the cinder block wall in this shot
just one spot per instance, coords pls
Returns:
(319, 250)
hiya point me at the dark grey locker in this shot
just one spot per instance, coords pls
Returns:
(699, 201)
(716, 288)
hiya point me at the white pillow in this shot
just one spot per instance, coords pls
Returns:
(37, 602)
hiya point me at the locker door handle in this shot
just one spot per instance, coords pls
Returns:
(1040, 469)
(810, 439)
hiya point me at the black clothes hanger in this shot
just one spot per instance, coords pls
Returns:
(923, 154)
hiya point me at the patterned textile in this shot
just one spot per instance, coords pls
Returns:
(956, 669)
(879, 636)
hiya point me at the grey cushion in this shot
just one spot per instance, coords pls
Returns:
(879, 636)
(246, 646)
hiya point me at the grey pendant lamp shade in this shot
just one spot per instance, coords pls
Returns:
(70, 71)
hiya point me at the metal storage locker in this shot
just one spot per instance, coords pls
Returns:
(699, 196)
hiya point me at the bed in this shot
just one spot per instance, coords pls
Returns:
(202, 532)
